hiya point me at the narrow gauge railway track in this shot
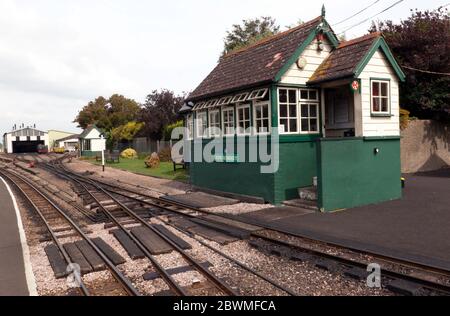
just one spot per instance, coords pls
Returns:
(98, 194)
(53, 218)
(190, 212)
(89, 187)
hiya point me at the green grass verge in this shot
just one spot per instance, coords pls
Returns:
(164, 171)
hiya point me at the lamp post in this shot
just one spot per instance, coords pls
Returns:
(103, 153)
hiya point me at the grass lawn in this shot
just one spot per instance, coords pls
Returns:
(165, 169)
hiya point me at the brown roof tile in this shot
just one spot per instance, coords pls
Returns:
(256, 64)
(343, 61)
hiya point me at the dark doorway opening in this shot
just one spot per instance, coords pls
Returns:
(26, 146)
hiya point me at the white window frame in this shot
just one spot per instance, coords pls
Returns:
(288, 117)
(198, 106)
(380, 97)
(217, 124)
(309, 91)
(204, 124)
(224, 128)
(269, 113)
(224, 101)
(309, 117)
(249, 119)
(258, 94)
(190, 126)
(240, 97)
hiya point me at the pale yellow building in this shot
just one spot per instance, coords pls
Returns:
(54, 135)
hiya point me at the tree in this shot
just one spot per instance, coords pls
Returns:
(159, 110)
(95, 112)
(122, 110)
(108, 113)
(422, 42)
(126, 132)
(249, 32)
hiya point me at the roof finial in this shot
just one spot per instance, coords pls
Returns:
(323, 11)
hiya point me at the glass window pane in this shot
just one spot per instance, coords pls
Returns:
(284, 123)
(313, 110)
(305, 112)
(247, 113)
(313, 127)
(283, 110)
(384, 89)
(293, 110)
(384, 105)
(375, 89)
(305, 125)
(241, 114)
(313, 95)
(258, 112)
(293, 125)
(376, 104)
(304, 94)
(283, 95)
(292, 96)
(265, 111)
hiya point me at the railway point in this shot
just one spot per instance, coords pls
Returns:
(306, 160)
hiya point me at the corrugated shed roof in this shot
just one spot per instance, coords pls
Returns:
(256, 64)
(343, 61)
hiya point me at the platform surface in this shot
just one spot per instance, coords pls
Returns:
(200, 200)
(415, 228)
(13, 281)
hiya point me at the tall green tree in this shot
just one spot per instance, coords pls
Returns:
(249, 32)
(108, 114)
(422, 42)
(95, 112)
(159, 110)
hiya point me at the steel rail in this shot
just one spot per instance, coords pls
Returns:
(178, 290)
(125, 283)
(219, 284)
(242, 265)
(393, 260)
(426, 283)
(229, 258)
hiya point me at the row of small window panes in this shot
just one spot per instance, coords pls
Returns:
(290, 95)
(262, 121)
(308, 118)
(260, 94)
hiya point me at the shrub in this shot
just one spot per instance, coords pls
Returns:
(165, 154)
(152, 161)
(404, 118)
(129, 153)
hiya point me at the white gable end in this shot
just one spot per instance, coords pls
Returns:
(379, 68)
(313, 58)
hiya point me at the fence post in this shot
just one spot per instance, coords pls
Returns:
(157, 146)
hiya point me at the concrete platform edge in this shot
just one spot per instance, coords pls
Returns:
(31, 281)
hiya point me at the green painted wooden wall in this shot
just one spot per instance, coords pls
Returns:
(351, 173)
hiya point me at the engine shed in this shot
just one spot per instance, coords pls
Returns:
(329, 110)
(25, 140)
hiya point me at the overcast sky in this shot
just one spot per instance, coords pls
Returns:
(56, 55)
